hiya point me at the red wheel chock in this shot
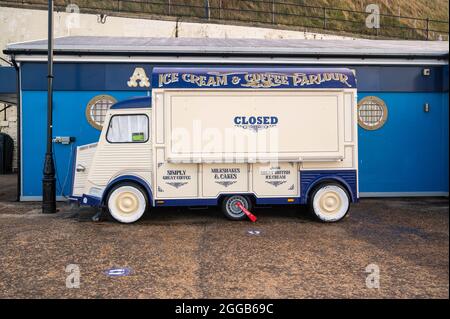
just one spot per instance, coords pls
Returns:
(249, 215)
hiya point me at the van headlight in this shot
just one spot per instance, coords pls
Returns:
(95, 191)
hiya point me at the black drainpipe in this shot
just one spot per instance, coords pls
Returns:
(19, 141)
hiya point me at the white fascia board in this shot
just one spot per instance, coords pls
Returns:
(241, 60)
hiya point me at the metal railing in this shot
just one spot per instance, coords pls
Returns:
(265, 13)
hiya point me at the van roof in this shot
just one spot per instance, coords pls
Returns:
(134, 102)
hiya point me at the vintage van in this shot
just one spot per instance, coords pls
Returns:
(234, 137)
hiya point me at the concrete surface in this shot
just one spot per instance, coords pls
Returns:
(176, 253)
(8, 191)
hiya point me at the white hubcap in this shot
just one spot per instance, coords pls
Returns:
(330, 203)
(126, 204)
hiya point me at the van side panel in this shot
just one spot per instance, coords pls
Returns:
(322, 142)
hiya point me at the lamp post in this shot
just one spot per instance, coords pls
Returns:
(48, 182)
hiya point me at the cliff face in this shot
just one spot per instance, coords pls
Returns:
(401, 19)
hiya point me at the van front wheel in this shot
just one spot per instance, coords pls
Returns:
(127, 202)
(329, 202)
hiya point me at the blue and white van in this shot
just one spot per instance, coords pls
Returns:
(234, 137)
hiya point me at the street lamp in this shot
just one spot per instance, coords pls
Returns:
(48, 182)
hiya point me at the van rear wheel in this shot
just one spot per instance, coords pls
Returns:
(230, 208)
(329, 202)
(127, 202)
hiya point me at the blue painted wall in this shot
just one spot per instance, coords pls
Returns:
(114, 76)
(408, 154)
(8, 80)
(70, 120)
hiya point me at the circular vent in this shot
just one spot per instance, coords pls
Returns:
(97, 108)
(372, 113)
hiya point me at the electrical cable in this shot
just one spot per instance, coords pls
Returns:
(56, 173)
(69, 165)
(61, 187)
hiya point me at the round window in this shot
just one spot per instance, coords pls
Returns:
(97, 108)
(372, 113)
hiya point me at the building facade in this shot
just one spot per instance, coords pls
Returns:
(402, 98)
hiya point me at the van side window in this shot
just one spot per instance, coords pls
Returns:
(128, 129)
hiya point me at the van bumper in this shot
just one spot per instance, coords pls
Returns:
(86, 200)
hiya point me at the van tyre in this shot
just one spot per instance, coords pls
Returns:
(329, 202)
(232, 211)
(126, 203)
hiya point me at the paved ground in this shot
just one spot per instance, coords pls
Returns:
(8, 191)
(197, 253)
